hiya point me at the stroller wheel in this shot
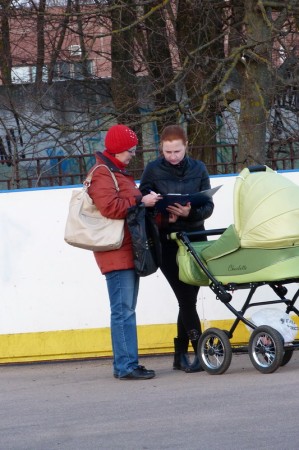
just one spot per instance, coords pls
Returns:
(214, 351)
(266, 349)
(288, 353)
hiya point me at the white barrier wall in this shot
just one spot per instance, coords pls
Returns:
(54, 302)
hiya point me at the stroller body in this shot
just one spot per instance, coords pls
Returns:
(261, 247)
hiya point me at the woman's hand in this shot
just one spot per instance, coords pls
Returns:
(172, 218)
(151, 199)
(180, 210)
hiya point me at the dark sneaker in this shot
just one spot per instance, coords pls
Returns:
(140, 373)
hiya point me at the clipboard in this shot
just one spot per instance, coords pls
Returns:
(196, 199)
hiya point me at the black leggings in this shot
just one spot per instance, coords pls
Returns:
(188, 323)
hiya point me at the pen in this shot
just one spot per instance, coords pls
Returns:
(154, 193)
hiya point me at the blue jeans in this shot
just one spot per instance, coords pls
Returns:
(123, 286)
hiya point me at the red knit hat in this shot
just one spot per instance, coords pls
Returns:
(120, 138)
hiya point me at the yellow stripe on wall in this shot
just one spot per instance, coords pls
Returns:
(74, 344)
(94, 343)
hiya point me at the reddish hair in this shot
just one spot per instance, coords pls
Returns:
(173, 132)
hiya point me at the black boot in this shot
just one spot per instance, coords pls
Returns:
(195, 366)
(181, 359)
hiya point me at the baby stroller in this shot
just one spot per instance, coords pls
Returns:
(260, 248)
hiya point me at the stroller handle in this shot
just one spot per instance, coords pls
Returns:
(195, 235)
(257, 168)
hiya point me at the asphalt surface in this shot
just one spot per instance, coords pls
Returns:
(79, 405)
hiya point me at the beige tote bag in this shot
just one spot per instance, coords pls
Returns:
(86, 227)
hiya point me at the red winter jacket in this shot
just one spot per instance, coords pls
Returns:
(114, 205)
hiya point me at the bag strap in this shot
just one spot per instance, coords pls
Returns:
(88, 179)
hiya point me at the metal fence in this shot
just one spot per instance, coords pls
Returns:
(20, 173)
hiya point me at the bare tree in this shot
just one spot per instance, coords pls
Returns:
(40, 34)
(158, 62)
(148, 63)
(58, 40)
(124, 80)
(200, 44)
(261, 28)
(5, 51)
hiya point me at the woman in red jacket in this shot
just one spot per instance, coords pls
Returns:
(118, 265)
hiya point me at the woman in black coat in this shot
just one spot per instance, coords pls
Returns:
(175, 172)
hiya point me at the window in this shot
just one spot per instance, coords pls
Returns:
(26, 74)
(75, 50)
(65, 70)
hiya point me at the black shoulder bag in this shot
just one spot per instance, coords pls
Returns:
(145, 240)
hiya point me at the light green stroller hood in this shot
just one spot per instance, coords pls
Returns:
(261, 245)
(266, 210)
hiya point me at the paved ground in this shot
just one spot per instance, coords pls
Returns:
(79, 405)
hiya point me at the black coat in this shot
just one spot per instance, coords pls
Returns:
(188, 177)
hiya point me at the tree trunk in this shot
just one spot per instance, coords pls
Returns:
(5, 51)
(58, 46)
(199, 50)
(256, 91)
(84, 53)
(235, 35)
(40, 33)
(159, 65)
(124, 83)
(124, 80)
